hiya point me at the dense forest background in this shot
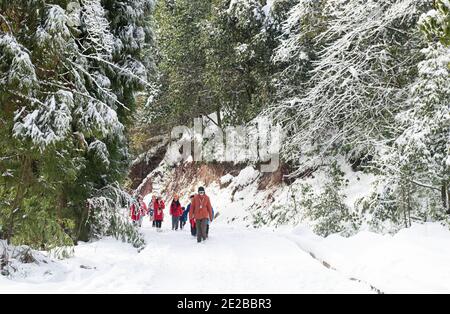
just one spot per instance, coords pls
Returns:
(85, 85)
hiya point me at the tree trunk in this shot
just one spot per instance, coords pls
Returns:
(81, 233)
(14, 209)
(219, 116)
(22, 186)
(404, 207)
(445, 193)
(409, 207)
(62, 203)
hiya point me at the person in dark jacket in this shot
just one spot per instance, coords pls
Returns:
(184, 217)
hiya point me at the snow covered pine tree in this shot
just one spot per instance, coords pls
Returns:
(61, 103)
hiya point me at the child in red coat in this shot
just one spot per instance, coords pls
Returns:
(134, 213)
(159, 212)
(176, 211)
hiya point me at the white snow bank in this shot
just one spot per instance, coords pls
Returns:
(268, 7)
(226, 179)
(246, 177)
(21, 262)
(415, 260)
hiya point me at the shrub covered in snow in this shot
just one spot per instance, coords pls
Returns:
(226, 179)
(109, 216)
(13, 259)
(328, 212)
(246, 177)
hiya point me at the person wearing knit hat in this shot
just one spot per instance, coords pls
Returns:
(201, 211)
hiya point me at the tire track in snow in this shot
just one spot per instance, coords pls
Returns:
(329, 266)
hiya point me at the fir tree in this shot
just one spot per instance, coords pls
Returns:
(63, 117)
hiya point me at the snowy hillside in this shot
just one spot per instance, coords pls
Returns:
(243, 195)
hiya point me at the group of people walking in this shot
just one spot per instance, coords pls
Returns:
(199, 212)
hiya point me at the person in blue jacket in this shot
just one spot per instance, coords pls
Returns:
(208, 222)
(184, 216)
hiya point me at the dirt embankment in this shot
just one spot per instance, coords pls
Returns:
(147, 162)
(188, 176)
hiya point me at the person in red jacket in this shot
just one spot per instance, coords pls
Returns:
(176, 211)
(201, 211)
(134, 213)
(159, 212)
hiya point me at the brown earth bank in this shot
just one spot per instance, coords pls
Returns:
(191, 175)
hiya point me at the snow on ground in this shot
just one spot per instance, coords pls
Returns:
(414, 260)
(233, 260)
(241, 260)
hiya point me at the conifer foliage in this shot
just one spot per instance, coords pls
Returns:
(369, 80)
(69, 71)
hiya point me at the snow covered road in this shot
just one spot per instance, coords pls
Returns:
(233, 260)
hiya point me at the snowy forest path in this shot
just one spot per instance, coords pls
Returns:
(233, 260)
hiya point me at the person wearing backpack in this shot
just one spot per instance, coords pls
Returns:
(191, 219)
(184, 217)
(201, 211)
(175, 211)
(159, 213)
